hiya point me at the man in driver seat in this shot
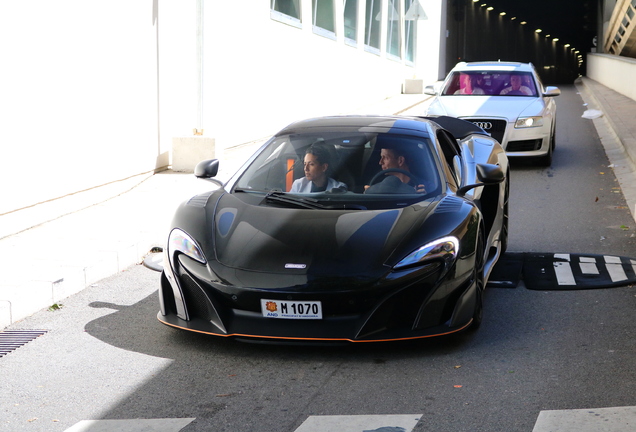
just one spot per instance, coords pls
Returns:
(395, 182)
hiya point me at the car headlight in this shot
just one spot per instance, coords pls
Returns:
(528, 122)
(179, 241)
(445, 249)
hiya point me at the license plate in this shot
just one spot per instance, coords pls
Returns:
(291, 309)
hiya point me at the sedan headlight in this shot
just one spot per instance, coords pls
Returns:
(444, 249)
(179, 241)
(528, 122)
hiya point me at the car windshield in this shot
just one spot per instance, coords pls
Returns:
(498, 83)
(309, 169)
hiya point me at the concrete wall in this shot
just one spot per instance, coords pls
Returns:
(279, 73)
(614, 72)
(94, 93)
(79, 97)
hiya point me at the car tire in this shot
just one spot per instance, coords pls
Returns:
(506, 216)
(478, 315)
(480, 263)
(546, 160)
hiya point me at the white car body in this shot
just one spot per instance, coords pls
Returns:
(522, 120)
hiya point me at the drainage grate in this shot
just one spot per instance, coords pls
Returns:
(11, 340)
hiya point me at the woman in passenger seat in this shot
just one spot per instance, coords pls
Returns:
(316, 178)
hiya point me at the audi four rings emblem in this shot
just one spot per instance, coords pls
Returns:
(483, 125)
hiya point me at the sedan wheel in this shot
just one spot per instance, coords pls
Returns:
(547, 159)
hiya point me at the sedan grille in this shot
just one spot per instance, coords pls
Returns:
(496, 128)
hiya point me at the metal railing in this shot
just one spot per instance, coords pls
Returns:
(620, 38)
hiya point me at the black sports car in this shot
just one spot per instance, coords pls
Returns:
(352, 228)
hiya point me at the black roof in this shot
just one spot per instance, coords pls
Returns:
(457, 127)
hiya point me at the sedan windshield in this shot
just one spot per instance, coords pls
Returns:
(341, 167)
(490, 83)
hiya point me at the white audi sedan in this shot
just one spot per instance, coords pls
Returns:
(505, 99)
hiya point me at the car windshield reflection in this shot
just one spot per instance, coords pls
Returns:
(492, 83)
(341, 167)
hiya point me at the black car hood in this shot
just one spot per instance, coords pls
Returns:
(305, 241)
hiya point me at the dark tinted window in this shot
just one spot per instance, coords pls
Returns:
(478, 83)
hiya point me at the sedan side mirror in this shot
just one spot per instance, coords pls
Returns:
(487, 174)
(430, 90)
(551, 91)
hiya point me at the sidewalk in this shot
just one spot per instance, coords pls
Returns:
(49, 262)
(617, 131)
(119, 225)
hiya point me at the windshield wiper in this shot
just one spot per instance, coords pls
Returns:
(304, 202)
(282, 197)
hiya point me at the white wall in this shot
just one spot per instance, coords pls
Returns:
(93, 92)
(614, 72)
(79, 96)
(279, 73)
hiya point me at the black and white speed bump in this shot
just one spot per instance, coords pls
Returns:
(577, 271)
(563, 271)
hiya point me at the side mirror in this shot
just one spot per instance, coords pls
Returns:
(487, 174)
(551, 91)
(430, 90)
(490, 174)
(207, 169)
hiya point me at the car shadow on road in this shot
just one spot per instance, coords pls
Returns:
(229, 381)
(146, 335)
(245, 386)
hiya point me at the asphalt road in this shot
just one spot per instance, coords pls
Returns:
(105, 356)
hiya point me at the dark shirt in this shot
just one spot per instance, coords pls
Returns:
(391, 184)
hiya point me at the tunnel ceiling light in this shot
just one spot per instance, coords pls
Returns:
(567, 45)
(547, 35)
(538, 31)
(523, 23)
(489, 8)
(513, 18)
(555, 40)
(502, 13)
(483, 5)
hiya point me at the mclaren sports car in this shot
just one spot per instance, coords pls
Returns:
(342, 229)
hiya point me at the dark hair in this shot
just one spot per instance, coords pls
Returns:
(397, 151)
(321, 153)
(398, 148)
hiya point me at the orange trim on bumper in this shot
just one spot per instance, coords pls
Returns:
(315, 339)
